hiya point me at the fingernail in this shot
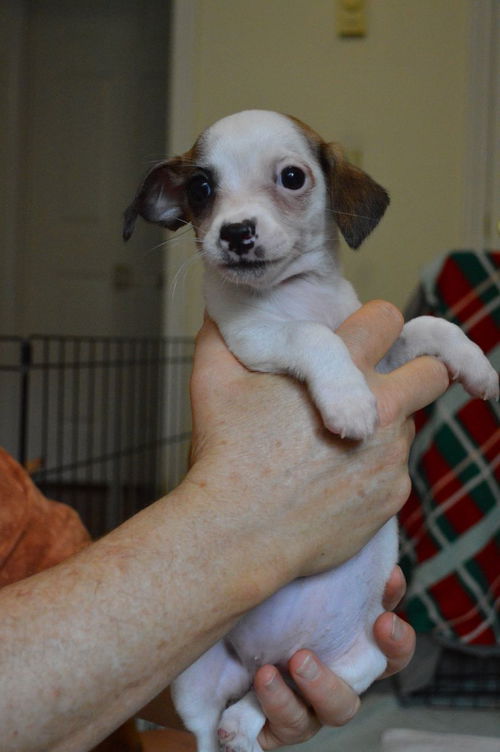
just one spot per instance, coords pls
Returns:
(308, 669)
(397, 632)
(271, 682)
(352, 712)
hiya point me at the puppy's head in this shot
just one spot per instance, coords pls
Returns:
(263, 193)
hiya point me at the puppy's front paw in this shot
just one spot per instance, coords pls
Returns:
(471, 367)
(349, 410)
(466, 362)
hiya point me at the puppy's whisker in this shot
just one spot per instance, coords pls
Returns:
(168, 241)
(182, 221)
(351, 214)
(186, 222)
(182, 272)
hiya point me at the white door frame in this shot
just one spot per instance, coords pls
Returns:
(179, 317)
(480, 137)
(182, 72)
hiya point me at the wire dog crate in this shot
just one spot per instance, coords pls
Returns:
(101, 423)
(460, 680)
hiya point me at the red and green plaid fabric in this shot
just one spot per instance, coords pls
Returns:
(450, 527)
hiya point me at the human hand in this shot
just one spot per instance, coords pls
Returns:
(326, 699)
(295, 499)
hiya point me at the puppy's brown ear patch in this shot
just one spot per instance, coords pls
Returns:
(358, 202)
(159, 198)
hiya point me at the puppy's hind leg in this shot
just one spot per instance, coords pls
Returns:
(241, 724)
(204, 689)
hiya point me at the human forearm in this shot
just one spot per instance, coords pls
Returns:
(102, 633)
(271, 496)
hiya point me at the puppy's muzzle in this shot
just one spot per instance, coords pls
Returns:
(239, 237)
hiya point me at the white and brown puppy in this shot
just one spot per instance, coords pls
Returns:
(267, 198)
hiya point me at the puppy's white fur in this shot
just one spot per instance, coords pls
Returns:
(273, 285)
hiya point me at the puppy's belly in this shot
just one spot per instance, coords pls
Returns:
(325, 613)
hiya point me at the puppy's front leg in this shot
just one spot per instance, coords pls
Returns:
(312, 353)
(427, 335)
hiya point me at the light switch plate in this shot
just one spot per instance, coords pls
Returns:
(351, 18)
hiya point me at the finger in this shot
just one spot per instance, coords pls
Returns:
(394, 589)
(334, 702)
(209, 342)
(396, 639)
(370, 332)
(212, 358)
(288, 719)
(410, 387)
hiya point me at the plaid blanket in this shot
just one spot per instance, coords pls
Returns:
(450, 527)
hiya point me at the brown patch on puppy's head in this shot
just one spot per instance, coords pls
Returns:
(161, 197)
(358, 202)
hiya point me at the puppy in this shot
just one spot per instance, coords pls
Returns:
(267, 198)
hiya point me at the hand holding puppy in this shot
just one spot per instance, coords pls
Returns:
(230, 413)
(327, 699)
(156, 579)
(252, 432)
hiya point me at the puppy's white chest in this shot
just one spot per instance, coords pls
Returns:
(327, 301)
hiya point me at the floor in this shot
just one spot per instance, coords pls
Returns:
(381, 711)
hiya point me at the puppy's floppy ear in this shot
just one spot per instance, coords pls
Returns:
(159, 198)
(357, 201)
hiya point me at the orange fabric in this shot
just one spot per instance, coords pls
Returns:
(35, 533)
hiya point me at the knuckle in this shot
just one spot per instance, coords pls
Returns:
(396, 454)
(439, 373)
(387, 409)
(400, 583)
(400, 492)
(347, 714)
(404, 490)
(400, 450)
(410, 428)
(395, 589)
(342, 704)
(392, 315)
(298, 724)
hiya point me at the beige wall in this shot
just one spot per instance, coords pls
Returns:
(398, 96)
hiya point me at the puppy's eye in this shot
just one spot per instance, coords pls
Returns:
(292, 178)
(199, 190)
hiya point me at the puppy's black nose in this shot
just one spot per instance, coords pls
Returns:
(239, 235)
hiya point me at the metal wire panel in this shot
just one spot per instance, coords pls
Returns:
(102, 423)
(461, 680)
